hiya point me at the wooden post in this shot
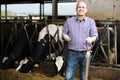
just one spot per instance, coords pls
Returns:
(54, 9)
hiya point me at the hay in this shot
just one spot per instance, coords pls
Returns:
(11, 74)
(44, 72)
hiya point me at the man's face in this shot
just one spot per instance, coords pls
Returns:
(81, 9)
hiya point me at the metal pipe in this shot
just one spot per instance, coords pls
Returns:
(6, 11)
(0, 13)
(43, 11)
(108, 32)
(40, 11)
(1, 31)
(115, 42)
(106, 65)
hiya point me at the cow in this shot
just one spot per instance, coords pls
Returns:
(26, 36)
(102, 54)
(40, 49)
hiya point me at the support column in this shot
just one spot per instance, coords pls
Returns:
(54, 9)
(6, 12)
(0, 12)
(40, 12)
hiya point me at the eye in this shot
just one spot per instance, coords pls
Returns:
(83, 7)
(79, 7)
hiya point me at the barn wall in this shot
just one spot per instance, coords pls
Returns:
(103, 9)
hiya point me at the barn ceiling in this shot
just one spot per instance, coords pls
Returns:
(31, 1)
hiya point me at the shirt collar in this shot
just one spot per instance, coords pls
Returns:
(80, 20)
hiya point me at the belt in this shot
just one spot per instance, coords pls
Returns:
(77, 51)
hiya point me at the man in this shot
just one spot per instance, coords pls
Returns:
(77, 31)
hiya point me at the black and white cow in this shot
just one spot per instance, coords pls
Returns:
(22, 46)
(41, 48)
(102, 54)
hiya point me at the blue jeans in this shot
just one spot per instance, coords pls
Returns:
(75, 58)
